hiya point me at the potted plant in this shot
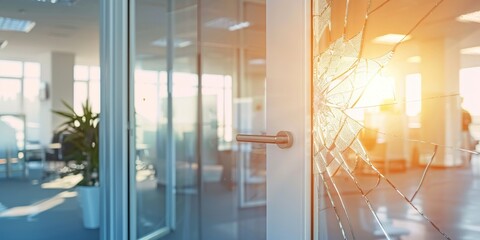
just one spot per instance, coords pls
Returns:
(81, 130)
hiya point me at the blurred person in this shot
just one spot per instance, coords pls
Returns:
(468, 143)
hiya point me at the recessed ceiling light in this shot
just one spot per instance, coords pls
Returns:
(61, 2)
(239, 26)
(391, 38)
(18, 25)
(226, 23)
(257, 61)
(47, 1)
(414, 59)
(471, 51)
(3, 43)
(469, 17)
(222, 22)
(178, 43)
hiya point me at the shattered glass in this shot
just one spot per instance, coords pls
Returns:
(378, 175)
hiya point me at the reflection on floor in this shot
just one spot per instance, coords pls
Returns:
(35, 209)
(449, 197)
(30, 211)
(219, 218)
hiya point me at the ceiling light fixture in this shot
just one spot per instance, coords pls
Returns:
(222, 22)
(239, 26)
(47, 1)
(178, 43)
(414, 59)
(471, 51)
(227, 23)
(17, 25)
(61, 2)
(257, 61)
(391, 38)
(469, 17)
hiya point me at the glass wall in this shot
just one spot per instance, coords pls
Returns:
(199, 80)
(395, 119)
(166, 138)
(233, 175)
(40, 43)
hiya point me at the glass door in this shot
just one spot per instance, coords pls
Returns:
(164, 162)
(200, 77)
(233, 175)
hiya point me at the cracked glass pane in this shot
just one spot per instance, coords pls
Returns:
(396, 119)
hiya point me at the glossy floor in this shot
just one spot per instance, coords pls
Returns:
(448, 199)
(36, 209)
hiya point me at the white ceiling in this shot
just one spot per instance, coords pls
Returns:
(400, 16)
(58, 28)
(76, 29)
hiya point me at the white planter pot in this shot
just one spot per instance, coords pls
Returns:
(89, 198)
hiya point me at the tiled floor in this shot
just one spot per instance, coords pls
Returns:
(449, 197)
(44, 213)
(55, 213)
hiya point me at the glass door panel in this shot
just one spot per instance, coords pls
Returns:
(165, 89)
(233, 185)
(252, 120)
(191, 181)
(151, 192)
(395, 126)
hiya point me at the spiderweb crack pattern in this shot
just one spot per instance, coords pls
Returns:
(341, 75)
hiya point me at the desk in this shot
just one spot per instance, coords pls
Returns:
(32, 148)
(9, 160)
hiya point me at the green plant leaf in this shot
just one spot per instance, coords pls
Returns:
(68, 106)
(83, 135)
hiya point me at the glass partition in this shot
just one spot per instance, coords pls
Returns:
(40, 43)
(395, 126)
(233, 196)
(199, 78)
(165, 93)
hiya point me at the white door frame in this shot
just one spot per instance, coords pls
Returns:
(289, 178)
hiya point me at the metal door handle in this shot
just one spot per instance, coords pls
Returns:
(283, 139)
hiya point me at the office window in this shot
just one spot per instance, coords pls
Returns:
(220, 87)
(413, 94)
(215, 86)
(469, 89)
(86, 86)
(19, 92)
(10, 95)
(11, 68)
